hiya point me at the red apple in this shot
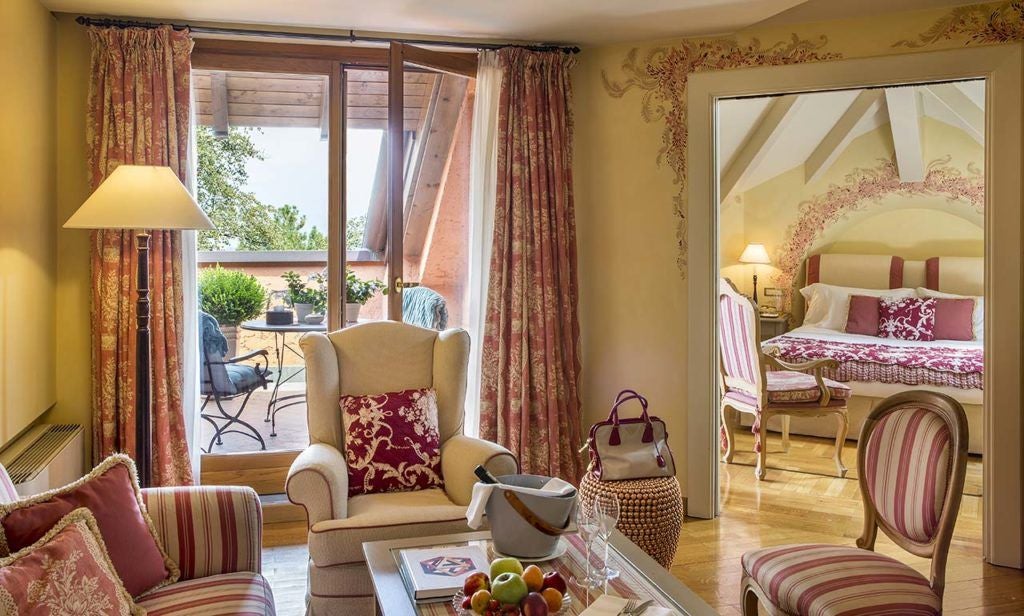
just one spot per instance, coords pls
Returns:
(554, 580)
(476, 581)
(534, 605)
(467, 603)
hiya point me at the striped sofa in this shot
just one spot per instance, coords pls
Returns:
(214, 534)
(912, 458)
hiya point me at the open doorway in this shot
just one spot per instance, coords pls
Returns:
(295, 167)
(834, 201)
(1000, 68)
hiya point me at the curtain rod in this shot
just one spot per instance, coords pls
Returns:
(352, 37)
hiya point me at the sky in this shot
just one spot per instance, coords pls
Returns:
(294, 170)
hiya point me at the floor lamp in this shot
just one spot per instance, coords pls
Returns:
(141, 197)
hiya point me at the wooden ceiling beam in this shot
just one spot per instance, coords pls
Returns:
(959, 104)
(905, 123)
(868, 102)
(779, 115)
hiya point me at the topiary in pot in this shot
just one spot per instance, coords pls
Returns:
(230, 296)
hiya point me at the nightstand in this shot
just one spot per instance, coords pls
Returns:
(774, 326)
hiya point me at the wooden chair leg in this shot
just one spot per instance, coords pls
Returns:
(842, 429)
(748, 600)
(785, 433)
(727, 425)
(762, 456)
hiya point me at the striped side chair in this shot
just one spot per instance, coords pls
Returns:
(760, 385)
(912, 458)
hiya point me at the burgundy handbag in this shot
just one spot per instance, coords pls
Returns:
(633, 448)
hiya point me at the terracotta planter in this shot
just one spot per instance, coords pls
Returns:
(231, 334)
(352, 312)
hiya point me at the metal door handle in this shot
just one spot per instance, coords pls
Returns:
(399, 285)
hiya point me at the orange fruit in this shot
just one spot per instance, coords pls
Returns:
(534, 578)
(553, 598)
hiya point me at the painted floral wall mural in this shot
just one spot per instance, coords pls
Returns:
(661, 74)
(863, 188)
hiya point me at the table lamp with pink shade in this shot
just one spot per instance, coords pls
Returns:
(755, 254)
(141, 197)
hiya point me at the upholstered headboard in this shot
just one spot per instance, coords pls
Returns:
(961, 275)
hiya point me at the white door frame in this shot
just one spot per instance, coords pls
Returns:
(1002, 67)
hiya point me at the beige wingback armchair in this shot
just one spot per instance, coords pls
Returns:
(376, 358)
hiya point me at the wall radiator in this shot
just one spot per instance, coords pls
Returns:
(47, 456)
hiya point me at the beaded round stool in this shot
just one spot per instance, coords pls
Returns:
(650, 512)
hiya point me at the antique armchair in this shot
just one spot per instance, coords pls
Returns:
(911, 459)
(214, 534)
(748, 386)
(375, 358)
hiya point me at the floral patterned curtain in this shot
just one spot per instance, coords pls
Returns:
(530, 357)
(138, 114)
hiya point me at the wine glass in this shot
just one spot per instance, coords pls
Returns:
(607, 509)
(587, 526)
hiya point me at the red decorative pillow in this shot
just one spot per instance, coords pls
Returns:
(67, 571)
(111, 493)
(863, 316)
(906, 318)
(954, 319)
(391, 442)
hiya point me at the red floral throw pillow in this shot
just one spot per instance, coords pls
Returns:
(391, 442)
(906, 318)
(111, 492)
(67, 571)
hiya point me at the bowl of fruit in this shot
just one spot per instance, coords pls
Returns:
(512, 590)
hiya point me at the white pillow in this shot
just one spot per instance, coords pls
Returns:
(977, 319)
(829, 305)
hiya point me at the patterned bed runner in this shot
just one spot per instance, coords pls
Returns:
(958, 367)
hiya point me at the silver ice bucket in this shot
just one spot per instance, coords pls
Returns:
(528, 525)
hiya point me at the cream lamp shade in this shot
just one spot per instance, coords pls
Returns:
(140, 197)
(755, 253)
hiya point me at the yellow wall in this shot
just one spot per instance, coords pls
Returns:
(74, 397)
(932, 226)
(28, 263)
(632, 293)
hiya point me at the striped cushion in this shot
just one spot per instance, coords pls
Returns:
(786, 387)
(740, 350)
(208, 530)
(830, 580)
(7, 492)
(907, 469)
(234, 593)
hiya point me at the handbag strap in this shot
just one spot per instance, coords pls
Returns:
(625, 396)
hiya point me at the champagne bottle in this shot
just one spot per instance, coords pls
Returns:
(484, 475)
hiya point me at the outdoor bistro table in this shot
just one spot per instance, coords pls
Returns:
(281, 346)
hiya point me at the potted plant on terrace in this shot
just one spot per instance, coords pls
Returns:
(230, 296)
(357, 293)
(304, 299)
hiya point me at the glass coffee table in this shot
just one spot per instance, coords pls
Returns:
(639, 576)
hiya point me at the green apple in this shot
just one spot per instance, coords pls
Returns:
(509, 588)
(505, 565)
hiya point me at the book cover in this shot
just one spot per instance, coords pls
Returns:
(439, 572)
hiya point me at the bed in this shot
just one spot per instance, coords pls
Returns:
(874, 367)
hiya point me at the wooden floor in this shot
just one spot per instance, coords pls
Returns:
(788, 507)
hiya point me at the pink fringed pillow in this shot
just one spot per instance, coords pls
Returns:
(392, 443)
(906, 318)
(67, 571)
(863, 316)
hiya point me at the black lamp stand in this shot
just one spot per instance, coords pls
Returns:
(143, 373)
(755, 288)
